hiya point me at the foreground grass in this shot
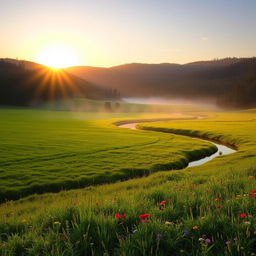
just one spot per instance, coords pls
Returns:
(47, 151)
(204, 210)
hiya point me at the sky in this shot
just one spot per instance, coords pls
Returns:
(112, 32)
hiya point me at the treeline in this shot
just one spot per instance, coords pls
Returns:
(228, 82)
(243, 93)
(23, 86)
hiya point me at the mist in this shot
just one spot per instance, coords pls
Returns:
(167, 101)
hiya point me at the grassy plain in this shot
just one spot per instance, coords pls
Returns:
(205, 210)
(47, 151)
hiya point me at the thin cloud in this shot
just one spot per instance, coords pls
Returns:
(171, 50)
(204, 38)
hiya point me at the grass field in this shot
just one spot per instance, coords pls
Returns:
(204, 210)
(46, 151)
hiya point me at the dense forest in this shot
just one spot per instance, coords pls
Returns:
(26, 83)
(229, 82)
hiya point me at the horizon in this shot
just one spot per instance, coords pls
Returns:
(85, 33)
(133, 63)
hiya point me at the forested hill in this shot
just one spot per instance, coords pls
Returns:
(230, 82)
(24, 83)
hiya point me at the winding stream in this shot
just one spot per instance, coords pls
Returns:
(222, 149)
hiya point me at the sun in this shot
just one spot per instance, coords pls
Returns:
(57, 57)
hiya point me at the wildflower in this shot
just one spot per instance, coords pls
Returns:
(168, 223)
(252, 195)
(97, 203)
(195, 227)
(235, 239)
(253, 191)
(144, 216)
(121, 236)
(120, 216)
(159, 236)
(192, 186)
(162, 203)
(218, 206)
(227, 242)
(56, 223)
(217, 199)
(242, 215)
(200, 239)
(134, 231)
(208, 240)
(23, 221)
(64, 238)
(247, 223)
(186, 232)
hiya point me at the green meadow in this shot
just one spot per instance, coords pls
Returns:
(46, 151)
(148, 207)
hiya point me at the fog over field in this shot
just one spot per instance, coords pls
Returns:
(166, 101)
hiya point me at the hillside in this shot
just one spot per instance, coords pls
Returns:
(199, 80)
(24, 83)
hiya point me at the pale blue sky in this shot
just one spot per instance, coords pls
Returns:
(112, 32)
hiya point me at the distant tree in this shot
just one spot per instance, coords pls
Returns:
(108, 106)
(117, 106)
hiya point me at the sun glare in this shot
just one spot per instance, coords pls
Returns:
(57, 57)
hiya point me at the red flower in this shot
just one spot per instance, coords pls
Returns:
(218, 206)
(97, 203)
(253, 191)
(120, 216)
(163, 203)
(192, 186)
(144, 216)
(252, 195)
(217, 199)
(243, 215)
